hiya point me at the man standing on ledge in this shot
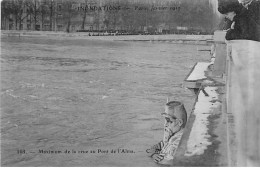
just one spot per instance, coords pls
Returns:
(175, 120)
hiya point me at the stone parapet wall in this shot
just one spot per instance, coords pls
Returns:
(243, 96)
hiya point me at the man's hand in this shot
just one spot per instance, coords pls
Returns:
(157, 157)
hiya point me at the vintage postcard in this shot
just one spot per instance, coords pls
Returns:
(130, 83)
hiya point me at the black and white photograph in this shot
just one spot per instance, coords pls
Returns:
(130, 83)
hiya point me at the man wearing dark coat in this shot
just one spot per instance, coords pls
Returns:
(253, 9)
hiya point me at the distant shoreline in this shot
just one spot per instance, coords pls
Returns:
(174, 38)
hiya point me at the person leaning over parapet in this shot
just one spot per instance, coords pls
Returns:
(175, 120)
(253, 11)
(241, 28)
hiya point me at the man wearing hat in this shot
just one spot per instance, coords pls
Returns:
(175, 120)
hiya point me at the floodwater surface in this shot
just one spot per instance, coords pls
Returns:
(71, 102)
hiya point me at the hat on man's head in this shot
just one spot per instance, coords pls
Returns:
(229, 6)
(175, 110)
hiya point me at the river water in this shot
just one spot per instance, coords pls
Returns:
(77, 97)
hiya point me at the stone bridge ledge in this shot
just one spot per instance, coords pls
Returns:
(223, 128)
